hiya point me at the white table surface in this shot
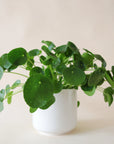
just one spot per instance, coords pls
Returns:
(95, 124)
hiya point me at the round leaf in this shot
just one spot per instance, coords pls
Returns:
(36, 70)
(34, 52)
(87, 59)
(38, 90)
(48, 104)
(4, 62)
(74, 75)
(108, 95)
(57, 86)
(17, 56)
(96, 77)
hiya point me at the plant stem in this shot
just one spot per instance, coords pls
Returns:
(52, 72)
(17, 74)
(22, 67)
(19, 91)
(31, 62)
(101, 89)
(92, 69)
(108, 78)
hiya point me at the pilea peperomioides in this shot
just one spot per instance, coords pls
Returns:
(62, 67)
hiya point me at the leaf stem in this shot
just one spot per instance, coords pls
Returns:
(31, 62)
(101, 89)
(108, 78)
(19, 91)
(17, 74)
(52, 72)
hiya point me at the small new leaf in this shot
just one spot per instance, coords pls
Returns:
(32, 110)
(78, 103)
(16, 84)
(9, 97)
(1, 72)
(34, 52)
(7, 89)
(1, 106)
(73, 47)
(108, 95)
(99, 57)
(61, 49)
(50, 44)
(2, 94)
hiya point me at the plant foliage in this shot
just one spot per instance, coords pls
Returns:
(59, 67)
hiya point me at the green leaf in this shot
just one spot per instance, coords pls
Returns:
(89, 90)
(48, 73)
(99, 57)
(89, 52)
(112, 69)
(7, 89)
(108, 95)
(32, 110)
(16, 84)
(42, 58)
(34, 52)
(101, 82)
(73, 47)
(4, 62)
(17, 56)
(48, 103)
(50, 54)
(57, 86)
(74, 76)
(56, 62)
(1, 106)
(30, 63)
(60, 68)
(61, 49)
(47, 61)
(68, 53)
(88, 60)
(96, 77)
(38, 89)
(2, 94)
(1, 72)
(12, 68)
(50, 44)
(9, 97)
(36, 70)
(78, 103)
(78, 62)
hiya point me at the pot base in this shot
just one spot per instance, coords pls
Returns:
(54, 134)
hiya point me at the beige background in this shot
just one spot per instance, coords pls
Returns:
(89, 24)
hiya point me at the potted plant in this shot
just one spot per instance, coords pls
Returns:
(50, 88)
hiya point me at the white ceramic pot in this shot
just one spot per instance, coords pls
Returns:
(59, 118)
